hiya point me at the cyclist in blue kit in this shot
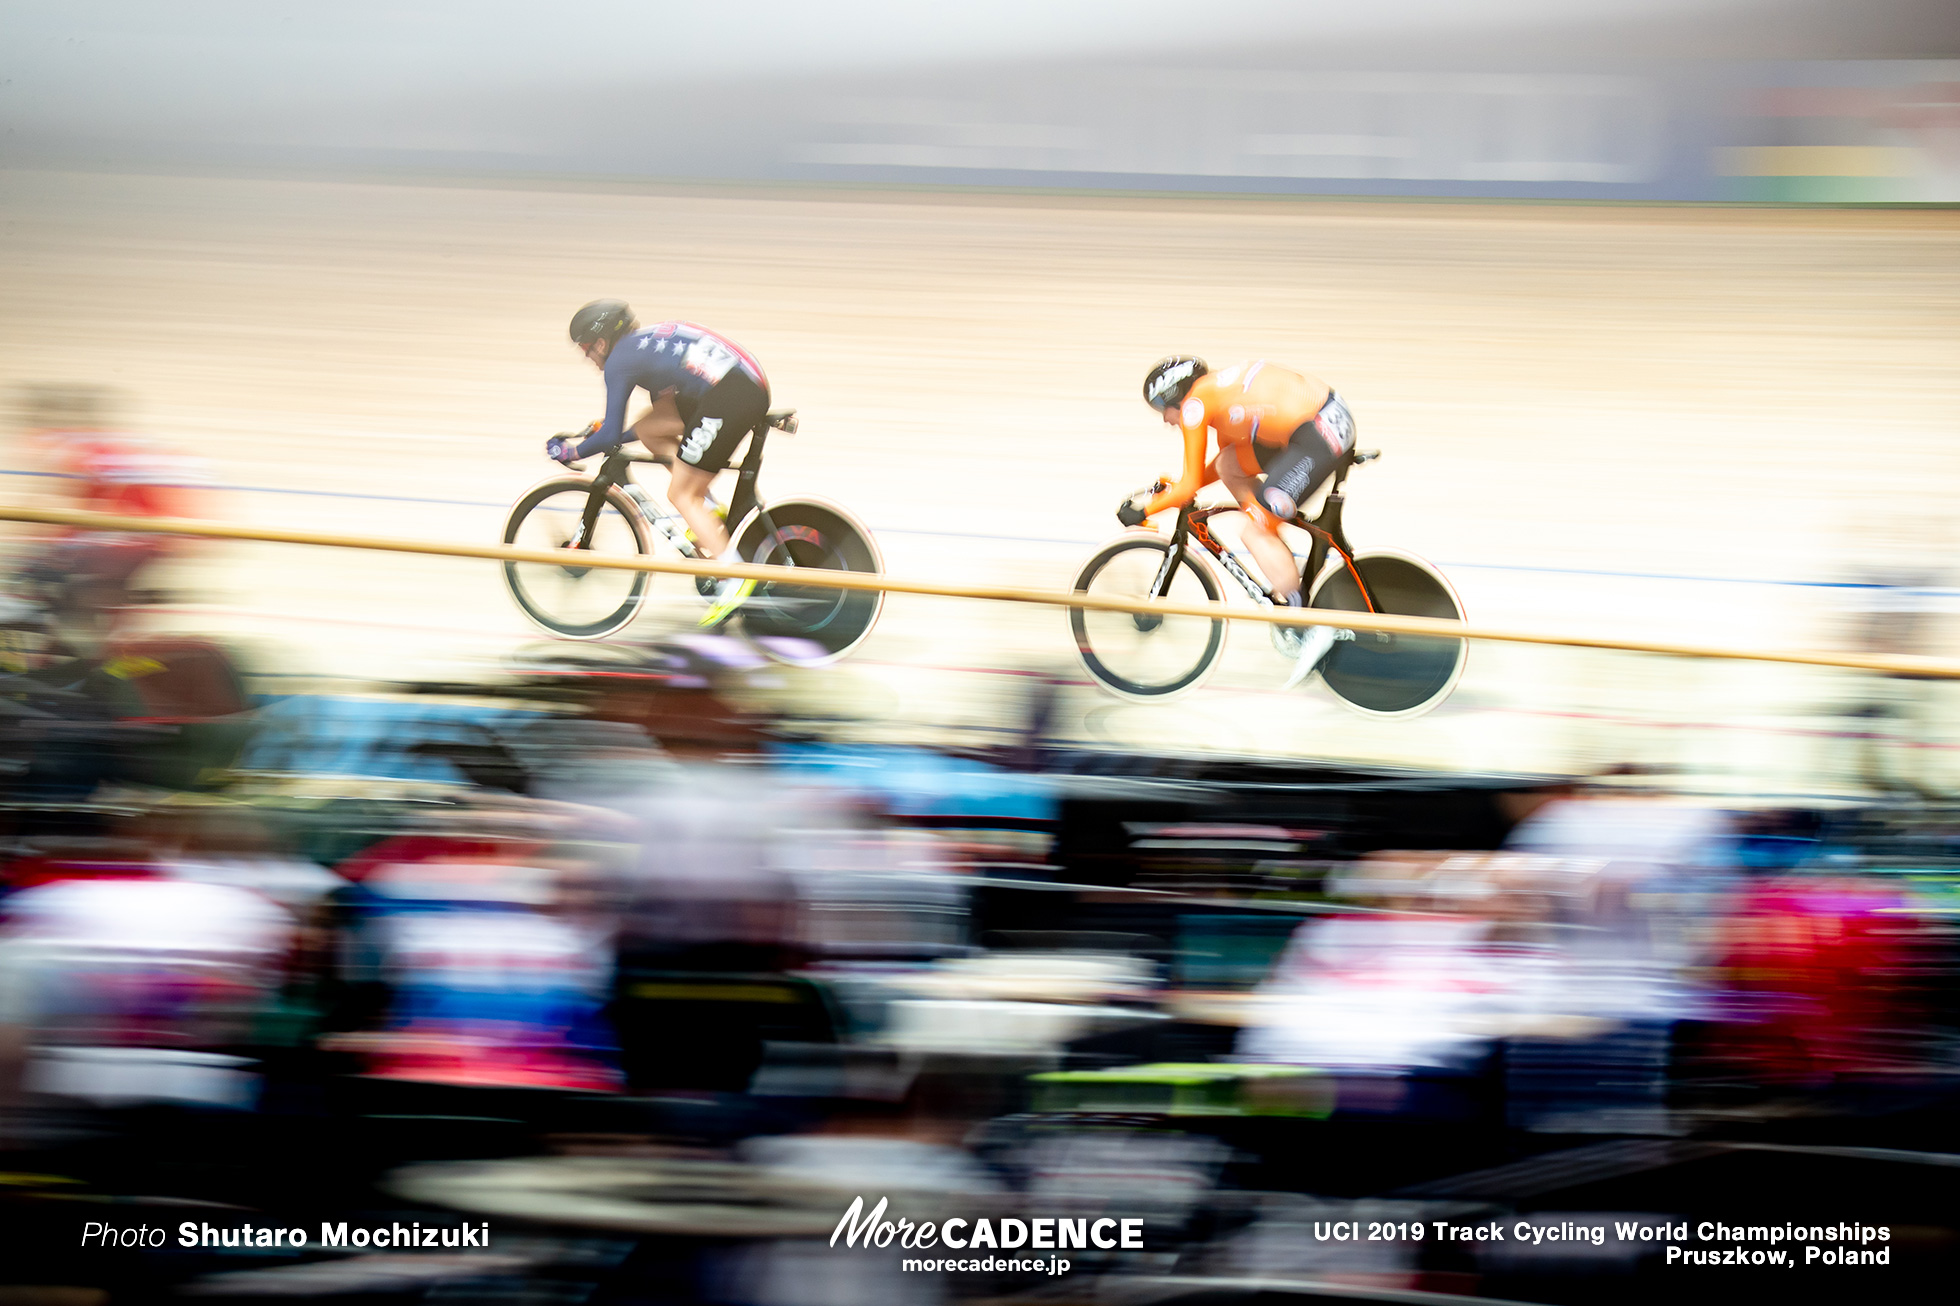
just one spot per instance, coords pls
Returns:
(707, 393)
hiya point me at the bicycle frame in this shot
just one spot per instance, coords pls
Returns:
(617, 469)
(1325, 528)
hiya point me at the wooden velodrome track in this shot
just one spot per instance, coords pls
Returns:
(1661, 423)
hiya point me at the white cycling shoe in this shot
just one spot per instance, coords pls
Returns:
(1315, 643)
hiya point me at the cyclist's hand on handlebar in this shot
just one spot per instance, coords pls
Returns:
(1131, 511)
(563, 447)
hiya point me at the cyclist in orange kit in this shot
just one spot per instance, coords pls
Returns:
(1279, 436)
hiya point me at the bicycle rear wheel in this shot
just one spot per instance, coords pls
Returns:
(809, 625)
(573, 601)
(1392, 675)
(1143, 656)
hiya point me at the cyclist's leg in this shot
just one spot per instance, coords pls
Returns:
(659, 428)
(1294, 471)
(659, 431)
(714, 427)
(1275, 559)
(687, 490)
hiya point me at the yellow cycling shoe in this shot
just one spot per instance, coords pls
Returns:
(729, 595)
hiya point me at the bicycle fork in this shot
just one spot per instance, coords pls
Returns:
(1146, 622)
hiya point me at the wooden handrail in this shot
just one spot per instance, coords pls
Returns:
(1891, 664)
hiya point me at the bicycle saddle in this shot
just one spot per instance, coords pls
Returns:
(783, 419)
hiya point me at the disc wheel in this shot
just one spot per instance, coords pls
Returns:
(809, 625)
(575, 601)
(1144, 656)
(1392, 675)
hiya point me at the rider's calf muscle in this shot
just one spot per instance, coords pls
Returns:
(688, 491)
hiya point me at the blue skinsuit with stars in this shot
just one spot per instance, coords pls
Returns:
(687, 359)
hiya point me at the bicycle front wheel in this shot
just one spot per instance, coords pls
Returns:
(1392, 675)
(1144, 656)
(571, 600)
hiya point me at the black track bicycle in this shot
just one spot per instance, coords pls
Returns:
(1149, 657)
(608, 513)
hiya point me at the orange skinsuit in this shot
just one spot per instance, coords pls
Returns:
(1246, 402)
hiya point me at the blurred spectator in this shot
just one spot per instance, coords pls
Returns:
(711, 932)
(88, 575)
(130, 990)
(490, 981)
(1819, 973)
(1574, 953)
(1640, 882)
(215, 842)
(912, 1154)
(1899, 612)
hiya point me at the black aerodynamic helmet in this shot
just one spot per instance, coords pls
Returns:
(602, 319)
(1170, 380)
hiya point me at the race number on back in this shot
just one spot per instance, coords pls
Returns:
(709, 359)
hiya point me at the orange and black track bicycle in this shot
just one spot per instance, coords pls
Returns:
(1148, 657)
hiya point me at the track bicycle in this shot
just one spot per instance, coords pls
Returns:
(1151, 657)
(607, 513)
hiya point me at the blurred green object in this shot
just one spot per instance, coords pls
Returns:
(1231, 951)
(1178, 1088)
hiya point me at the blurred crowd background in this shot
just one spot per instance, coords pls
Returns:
(330, 892)
(658, 985)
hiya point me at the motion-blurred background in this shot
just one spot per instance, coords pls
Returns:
(332, 889)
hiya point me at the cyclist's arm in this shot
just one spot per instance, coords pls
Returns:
(1191, 479)
(612, 431)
